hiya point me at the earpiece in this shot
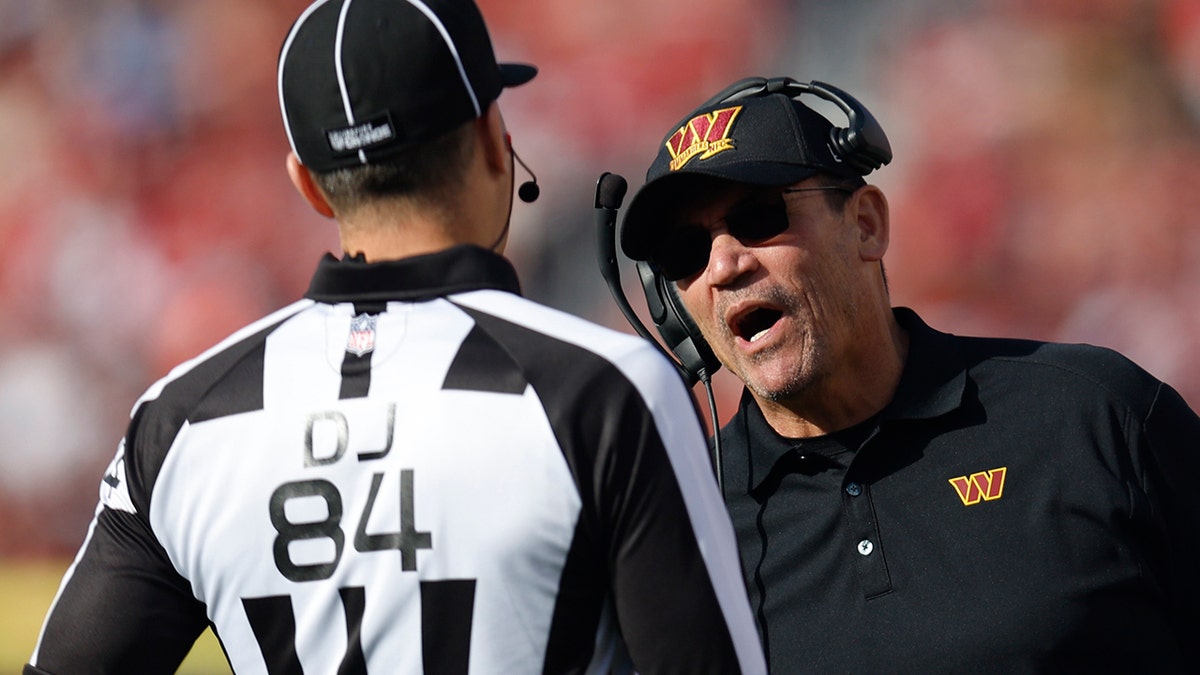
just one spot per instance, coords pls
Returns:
(676, 327)
(529, 190)
(862, 144)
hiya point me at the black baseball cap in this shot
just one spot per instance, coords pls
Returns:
(768, 141)
(360, 80)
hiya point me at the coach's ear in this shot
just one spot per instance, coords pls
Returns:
(869, 208)
(307, 187)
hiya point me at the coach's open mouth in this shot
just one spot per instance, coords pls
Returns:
(754, 324)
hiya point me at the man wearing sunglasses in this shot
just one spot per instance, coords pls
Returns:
(907, 500)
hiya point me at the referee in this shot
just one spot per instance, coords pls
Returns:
(411, 469)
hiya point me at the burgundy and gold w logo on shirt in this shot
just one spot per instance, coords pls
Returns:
(982, 486)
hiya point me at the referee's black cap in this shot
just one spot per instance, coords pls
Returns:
(360, 80)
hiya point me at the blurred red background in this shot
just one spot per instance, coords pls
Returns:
(1046, 181)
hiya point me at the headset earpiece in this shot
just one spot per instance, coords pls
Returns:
(862, 144)
(676, 327)
(694, 342)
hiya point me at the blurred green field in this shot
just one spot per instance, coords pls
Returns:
(27, 588)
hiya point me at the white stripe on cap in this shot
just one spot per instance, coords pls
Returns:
(462, 72)
(341, 78)
(341, 73)
(287, 45)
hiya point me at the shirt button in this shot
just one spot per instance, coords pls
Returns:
(865, 547)
(854, 489)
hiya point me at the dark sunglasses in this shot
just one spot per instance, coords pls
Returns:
(683, 249)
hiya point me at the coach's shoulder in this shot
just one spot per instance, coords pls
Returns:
(1100, 364)
(1064, 368)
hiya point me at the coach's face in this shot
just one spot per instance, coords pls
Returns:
(784, 313)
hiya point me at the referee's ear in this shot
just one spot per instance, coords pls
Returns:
(307, 187)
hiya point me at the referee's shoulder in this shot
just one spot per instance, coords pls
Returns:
(186, 385)
(599, 350)
(558, 324)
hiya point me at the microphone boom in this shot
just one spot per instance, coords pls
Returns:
(610, 192)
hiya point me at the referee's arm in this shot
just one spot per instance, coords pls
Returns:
(122, 607)
(678, 589)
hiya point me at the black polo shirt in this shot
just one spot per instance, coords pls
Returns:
(1018, 507)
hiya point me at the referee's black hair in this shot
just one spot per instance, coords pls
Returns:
(433, 170)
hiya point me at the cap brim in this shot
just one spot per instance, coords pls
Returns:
(515, 74)
(638, 229)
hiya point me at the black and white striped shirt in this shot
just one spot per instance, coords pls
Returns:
(412, 469)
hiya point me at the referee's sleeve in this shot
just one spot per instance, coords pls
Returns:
(678, 589)
(122, 607)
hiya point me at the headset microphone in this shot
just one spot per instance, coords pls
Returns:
(610, 192)
(529, 190)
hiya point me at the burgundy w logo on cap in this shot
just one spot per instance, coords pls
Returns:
(702, 137)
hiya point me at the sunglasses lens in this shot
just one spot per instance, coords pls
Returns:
(683, 252)
(758, 222)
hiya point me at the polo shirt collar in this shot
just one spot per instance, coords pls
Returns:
(932, 384)
(455, 270)
(934, 376)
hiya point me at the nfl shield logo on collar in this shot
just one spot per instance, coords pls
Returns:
(362, 335)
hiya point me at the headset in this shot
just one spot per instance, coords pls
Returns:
(861, 144)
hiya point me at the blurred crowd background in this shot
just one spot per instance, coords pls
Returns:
(1046, 181)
